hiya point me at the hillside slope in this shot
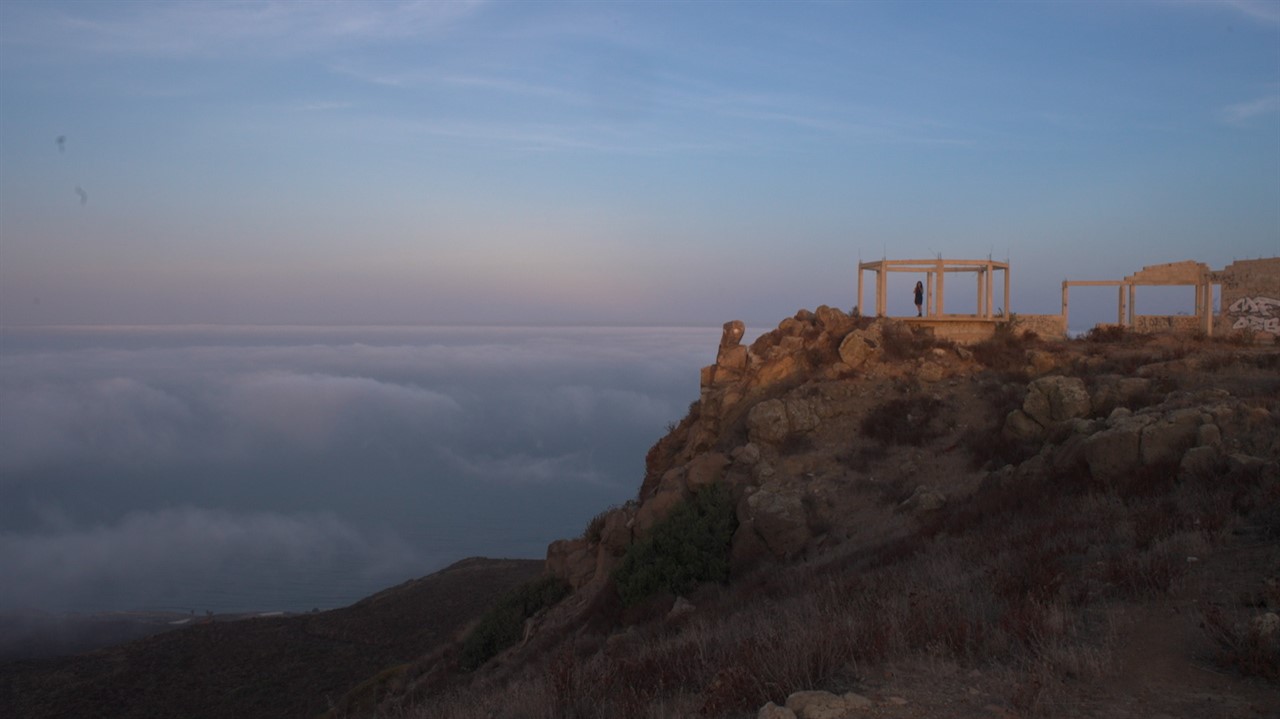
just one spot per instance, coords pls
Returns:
(1017, 528)
(270, 667)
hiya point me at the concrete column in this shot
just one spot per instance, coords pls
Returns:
(1008, 309)
(928, 294)
(861, 310)
(1065, 292)
(1132, 309)
(942, 277)
(991, 289)
(1120, 305)
(882, 278)
(981, 299)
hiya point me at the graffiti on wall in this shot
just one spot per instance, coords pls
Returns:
(1259, 314)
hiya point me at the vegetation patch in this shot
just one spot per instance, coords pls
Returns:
(503, 625)
(689, 546)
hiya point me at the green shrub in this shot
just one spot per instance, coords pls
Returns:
(503, 624)
(689, 546)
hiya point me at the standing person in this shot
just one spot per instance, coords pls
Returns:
(919, 299)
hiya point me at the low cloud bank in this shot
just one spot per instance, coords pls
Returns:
(175, 557)
(307, 442)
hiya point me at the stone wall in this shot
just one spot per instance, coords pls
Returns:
(1251, 297)
(1154, 324)
(1047, 326)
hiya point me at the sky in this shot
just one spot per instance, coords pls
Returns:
(614, 163)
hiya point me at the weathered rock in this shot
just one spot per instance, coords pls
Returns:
(1209, 435)
(666, 498)
(860, 346)
(1019, 426)
(924, 500)
(857, 701)
(1056, 398)
(1113, 453)
(777, 369)
(682, 607)
(704, 469)
(779, 518)
(774, 420)
(616, 534)
(773, 711)
(732, 334)
(1263, 626)
(1199, 462)
(831, 318)
(748, 454)
(1115, 391)
(1165, 441)
(571, 560)
(930, 372)
(1042, 362)
(802, 415)
(767, 422)
(817, 705)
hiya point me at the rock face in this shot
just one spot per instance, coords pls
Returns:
(780, 424)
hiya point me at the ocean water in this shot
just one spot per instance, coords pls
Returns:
(214, 468)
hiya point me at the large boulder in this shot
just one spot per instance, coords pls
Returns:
(1056, 399)
(571, 560)
(767, 422)
(774, 420)
(860, 346)
(1165, 441)
(706, 468)
(1116, 451)
(778, 516)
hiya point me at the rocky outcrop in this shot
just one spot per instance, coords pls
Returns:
(806, 388)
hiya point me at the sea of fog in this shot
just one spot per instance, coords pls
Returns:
(290, 468)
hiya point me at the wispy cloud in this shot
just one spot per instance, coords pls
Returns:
(1267, 11)
(1243, 113)
(188, 29)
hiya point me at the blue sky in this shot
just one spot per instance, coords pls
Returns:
(614, 163)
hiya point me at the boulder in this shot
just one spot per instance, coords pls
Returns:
(706, 468)
(1165, 441)
(1209, 435)
(747, 455)
(1199, 462)
(817, 705)
(571, 560)
(859, 346)
(930, 372)
(773, 711)
(778, 516)
(681, 608)
(668, 495)
(802, 415)
(1113, 453)
(1042, 362)
(1020, 427)
(616, 534)
(923, 500)
(774, 420)
(767, 422)
(1056, 399)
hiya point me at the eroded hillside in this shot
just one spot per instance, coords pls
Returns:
(1017, 528)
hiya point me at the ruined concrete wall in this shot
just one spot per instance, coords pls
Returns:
(1251, 297)
(1155, 324)
(1047, 326)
